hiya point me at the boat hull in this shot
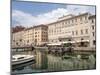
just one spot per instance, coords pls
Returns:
(22, 61)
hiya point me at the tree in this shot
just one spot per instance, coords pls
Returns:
(17, 28)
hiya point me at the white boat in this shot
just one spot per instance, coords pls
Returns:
(19, 59)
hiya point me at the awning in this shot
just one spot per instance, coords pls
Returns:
(68, 42)
(65, 42)
(54, 44)
(60, 43)
(82, 41)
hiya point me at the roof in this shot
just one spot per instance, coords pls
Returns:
(18, 31)
(36, 27)
(69, 18)
(29, 28)
(40, 26)
(92, 16)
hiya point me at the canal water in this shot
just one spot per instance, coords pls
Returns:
(47, 62)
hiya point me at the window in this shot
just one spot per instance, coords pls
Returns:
(93, 33)
(62, 24)
(35, 35)
(81, 19)
(66, 22)
(72, 21)
(55, 25)
(72, 32)
(59, 30)
(82, 39)
(69, 22)
(76, 32)
(69, 39)
(81, 31)
(36, 29)
(49, 31)
(35, 32)
(85, 17)
(76, 20)
(86, 31)
(92, 27)
(20, 40)
(60, 40)
(94, 42)
(16, 43)
(13, 40)
(35, 40)
(92, 21)
(52, 40)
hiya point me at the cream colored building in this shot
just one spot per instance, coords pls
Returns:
(92, 20)
(77, 29)
(17, 39)
(28, 36)
(40, 34)
(74, 29)
(36, 35)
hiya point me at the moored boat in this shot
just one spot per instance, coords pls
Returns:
(19, 59)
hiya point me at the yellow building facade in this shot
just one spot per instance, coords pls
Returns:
(36, 35)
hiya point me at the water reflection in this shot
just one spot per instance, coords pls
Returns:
(48, 62)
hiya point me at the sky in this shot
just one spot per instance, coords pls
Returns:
(29, 14)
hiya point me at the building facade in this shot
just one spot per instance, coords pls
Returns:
(28, 36)
(17, 39)
(40, 34)
(92, 20)
(74, 29)
(36, 35)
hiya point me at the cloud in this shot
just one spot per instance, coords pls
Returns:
(27, 19)
(76, 9)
